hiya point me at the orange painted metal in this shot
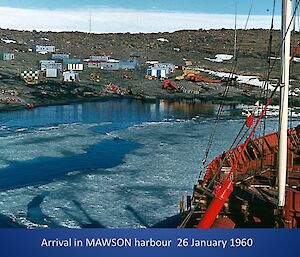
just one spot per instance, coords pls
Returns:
(261, 153)
(196, 78)
(295, 52)
(223, 222)
(221, 195)
(250, 120)
(249, 160)
(292, 208)
(170, 84)
(224, 190)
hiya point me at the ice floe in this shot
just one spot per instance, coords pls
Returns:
(295, 59)
(52, 141)
(272, 110)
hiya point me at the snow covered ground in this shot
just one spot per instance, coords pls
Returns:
(220, 58)
(242, 79)
(8, 41)
(249, 80)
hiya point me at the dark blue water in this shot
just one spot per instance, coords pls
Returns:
(106, 154)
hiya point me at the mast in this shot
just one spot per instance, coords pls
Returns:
(284, 93)
(235, 32)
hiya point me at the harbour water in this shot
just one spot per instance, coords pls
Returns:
(114, 164)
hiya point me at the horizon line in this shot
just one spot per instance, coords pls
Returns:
(107, 20)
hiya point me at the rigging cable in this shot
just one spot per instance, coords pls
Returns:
(264, 93)
(269, 70)
(221, 107)
(261, 115)
(249, 13)
(298, 17)
(283, 38)
(220, 110)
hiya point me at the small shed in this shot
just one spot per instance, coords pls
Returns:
(70, 76)
(94, 64)
(59, 57)
(168, 66)
(129, 64)
(112, 66)
(103, 58)
(67, 61)
(43, 64)
(7, 56)
(157, 72)
(52, 73)
(75, 67)
(50, 64)
(43, 49)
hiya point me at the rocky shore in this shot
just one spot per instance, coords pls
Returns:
(198, 46)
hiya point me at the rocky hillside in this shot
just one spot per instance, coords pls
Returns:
(192, 45)
(177, 47)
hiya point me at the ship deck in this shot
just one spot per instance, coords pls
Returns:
(253, 202)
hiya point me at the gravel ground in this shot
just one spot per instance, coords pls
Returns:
(193, 45)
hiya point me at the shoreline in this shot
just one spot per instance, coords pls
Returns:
(201, 47)
(148, 99)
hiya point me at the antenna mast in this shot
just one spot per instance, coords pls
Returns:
(90, 22)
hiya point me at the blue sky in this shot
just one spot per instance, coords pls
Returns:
(260, 7)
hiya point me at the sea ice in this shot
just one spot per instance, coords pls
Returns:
(52, 141)
(143, 190)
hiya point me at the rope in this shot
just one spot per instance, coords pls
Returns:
(269, 51)
(271, 67)
(249, 13)
(298, 18)
(221, 107)
(266, 83)
(283, 38)
(220, 110)
(251, 133)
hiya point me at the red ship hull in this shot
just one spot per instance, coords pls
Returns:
(253, 201)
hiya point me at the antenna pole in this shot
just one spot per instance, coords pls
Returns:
(90, 22)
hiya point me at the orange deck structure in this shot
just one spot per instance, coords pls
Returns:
(254, 176)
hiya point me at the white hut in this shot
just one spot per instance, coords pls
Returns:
(70, 76)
